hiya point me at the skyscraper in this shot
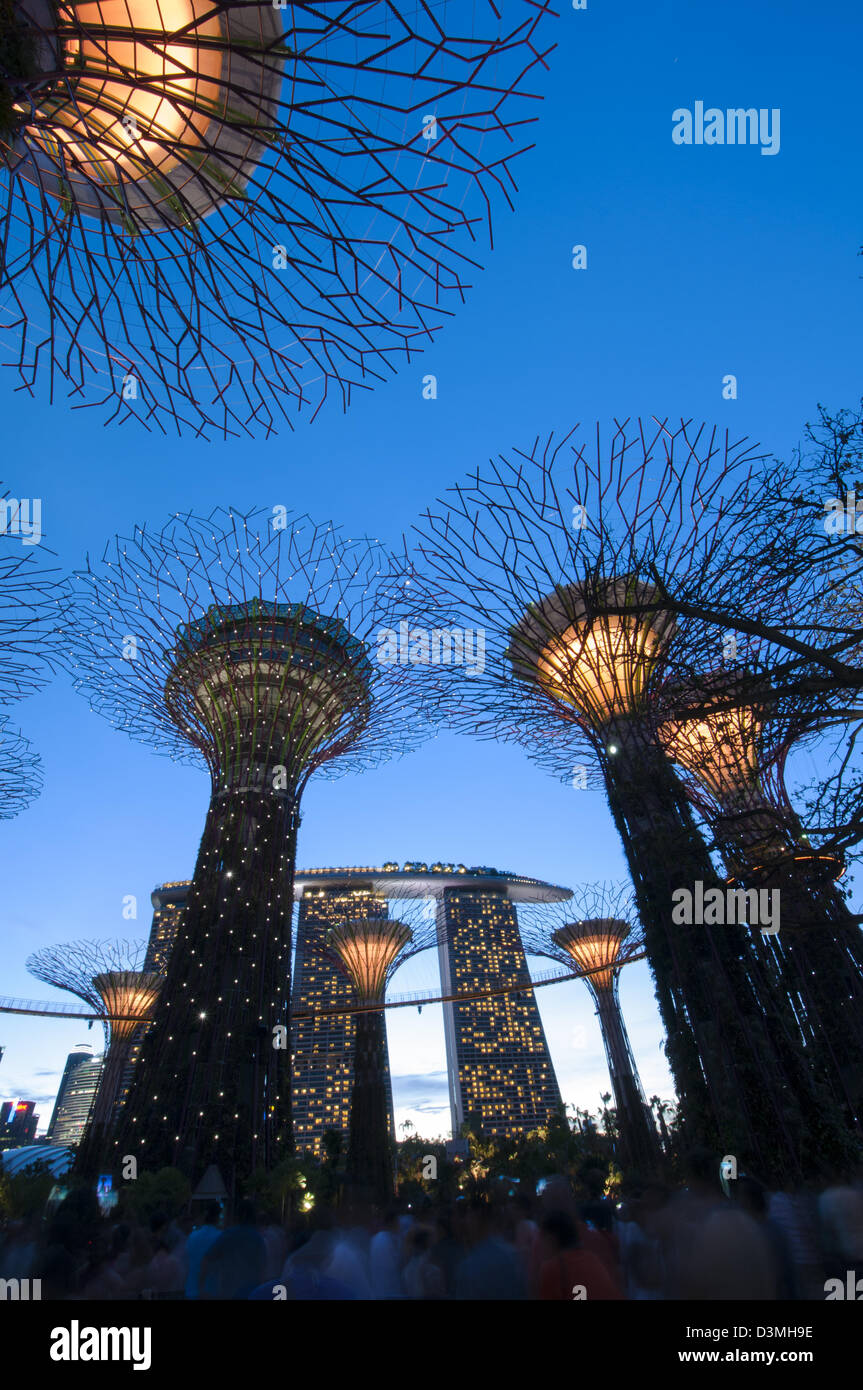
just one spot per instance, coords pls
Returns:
(168, 901)
(323, 1045)
(497, 1056)
(500, 1071)
(75, 1097)
(18, 1123)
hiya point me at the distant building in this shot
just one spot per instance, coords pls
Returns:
(75, 1097)
(18, 1122)
(322, 1065)
(499, 1066)
(500, 1071)
(168, 901)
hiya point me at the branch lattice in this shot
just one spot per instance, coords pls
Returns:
(73, 966)
(151, 586)
(20, 772)
(210, 229)
(590, 902)
(31, 604)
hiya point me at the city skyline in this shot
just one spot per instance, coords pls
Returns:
(471, 893)
(413, 879)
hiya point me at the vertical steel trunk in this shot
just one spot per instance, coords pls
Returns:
(369, 1165)
(734, 1047)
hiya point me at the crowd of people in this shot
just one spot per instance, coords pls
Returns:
(561, 1244)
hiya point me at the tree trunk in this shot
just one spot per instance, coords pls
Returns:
(638, 1138)
(211, 1087)
(745, 1083)
(369, 1169)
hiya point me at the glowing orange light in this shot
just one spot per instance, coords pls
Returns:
(162, 90)
(367, 948)
(595, 946)
(721, 749)
(129, 997)
(158, 98)
(587, 657)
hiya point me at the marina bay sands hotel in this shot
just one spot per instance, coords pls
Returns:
(498, 1063)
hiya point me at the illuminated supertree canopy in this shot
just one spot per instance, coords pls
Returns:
(106, 975)
(732, 755)
(252, 644)
(217, 213)
(603, 571)
(719, 749)
(78, 967)
(587, 553)
(281, 615)
(583, 651)
(368, 950)
(597, 932)
(561, 931)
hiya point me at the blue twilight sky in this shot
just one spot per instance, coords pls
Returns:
(702, 261)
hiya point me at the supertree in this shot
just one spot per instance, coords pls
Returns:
(809, 526)
(108, 977)
(20, 771)
(598, 932)
(732, 759)
(368, 950)
(220, 212)
(247, 643)
(590, 567)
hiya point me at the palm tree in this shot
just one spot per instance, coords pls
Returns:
(660, 1106)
